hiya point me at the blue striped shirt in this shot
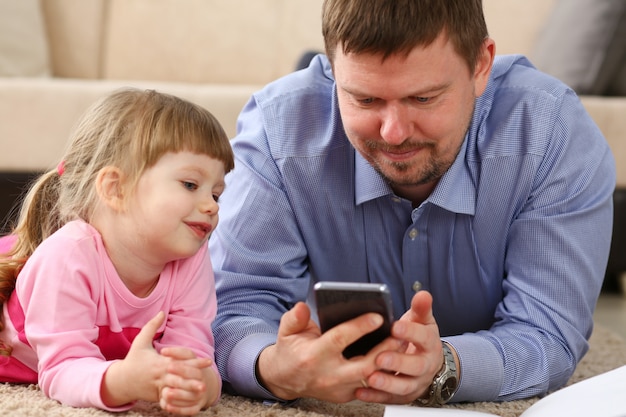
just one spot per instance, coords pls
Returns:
(512, 243)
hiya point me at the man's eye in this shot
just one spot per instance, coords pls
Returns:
(190, 185)
(368, 100)
(422, 99)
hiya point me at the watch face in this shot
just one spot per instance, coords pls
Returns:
(448, 388)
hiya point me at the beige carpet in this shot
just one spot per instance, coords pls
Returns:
(608, 351)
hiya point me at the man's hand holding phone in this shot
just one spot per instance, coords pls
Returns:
(405, 375)
(306, 363)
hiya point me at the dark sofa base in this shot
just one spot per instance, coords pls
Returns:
(617, 257)
(14, 184)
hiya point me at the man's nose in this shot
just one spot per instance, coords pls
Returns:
(396, 124)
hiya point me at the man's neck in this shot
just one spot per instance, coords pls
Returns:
(416, 194)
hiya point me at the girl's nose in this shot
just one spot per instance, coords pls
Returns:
(209, 205)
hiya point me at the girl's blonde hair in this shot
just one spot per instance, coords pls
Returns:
(129, 129)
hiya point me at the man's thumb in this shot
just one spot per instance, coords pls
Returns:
(422, 308)
(295, 320)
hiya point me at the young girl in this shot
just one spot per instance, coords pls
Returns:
(115, 296)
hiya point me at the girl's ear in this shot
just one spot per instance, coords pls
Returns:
(110, 187)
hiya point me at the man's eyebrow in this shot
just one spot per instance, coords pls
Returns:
(422, 91)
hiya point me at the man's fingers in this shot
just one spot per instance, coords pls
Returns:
(418, 325)
(295, 320)
(344, 334)
(389, 344)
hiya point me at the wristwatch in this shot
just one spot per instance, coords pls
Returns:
(445, 382)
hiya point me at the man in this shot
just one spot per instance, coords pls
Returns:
(477, 188)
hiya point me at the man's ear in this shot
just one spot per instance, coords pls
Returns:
(484, 62)
(110, 187)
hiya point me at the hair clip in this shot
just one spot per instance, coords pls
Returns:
(61, 168)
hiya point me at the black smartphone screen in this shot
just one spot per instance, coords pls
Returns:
(340, 301)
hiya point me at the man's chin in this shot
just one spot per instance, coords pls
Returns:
(398, 174)
(407, 179)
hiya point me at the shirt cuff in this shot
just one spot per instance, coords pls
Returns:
(242, 365)
(482, 371)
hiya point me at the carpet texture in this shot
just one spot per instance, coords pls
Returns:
(607, 352)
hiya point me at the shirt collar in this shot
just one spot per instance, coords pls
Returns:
(455, 191)
(368, 184)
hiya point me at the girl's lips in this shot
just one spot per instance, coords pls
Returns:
(201, 229)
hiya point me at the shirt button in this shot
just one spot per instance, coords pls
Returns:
(413, 234)
(417, 286)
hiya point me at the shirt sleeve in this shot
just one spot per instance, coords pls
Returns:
(270, 278)
(555, 260)
(60, 320)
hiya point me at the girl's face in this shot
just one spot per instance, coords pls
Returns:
(174, 206)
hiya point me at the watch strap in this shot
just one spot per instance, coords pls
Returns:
(446, 378)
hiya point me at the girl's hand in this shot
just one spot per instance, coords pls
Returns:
(190, 384)
(140, 375)
(178, 380)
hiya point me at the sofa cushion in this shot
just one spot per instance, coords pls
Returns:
(515, 24)
(209, 41)
(583, 43)
(75, 36)
(37, 115)
(23, 46)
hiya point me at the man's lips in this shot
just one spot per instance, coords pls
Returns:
(400, 155)
(201, 229)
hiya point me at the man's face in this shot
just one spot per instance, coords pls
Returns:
(407, 115)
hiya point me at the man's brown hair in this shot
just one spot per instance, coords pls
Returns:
(388, 27)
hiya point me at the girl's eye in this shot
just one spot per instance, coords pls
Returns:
(216, 197)
(190, 185)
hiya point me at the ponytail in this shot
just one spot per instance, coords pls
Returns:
(38, 219)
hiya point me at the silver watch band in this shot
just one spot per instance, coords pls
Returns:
(444, 383)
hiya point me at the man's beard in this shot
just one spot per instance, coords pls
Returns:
(432, 169)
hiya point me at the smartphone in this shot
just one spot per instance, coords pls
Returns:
(340, 301)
